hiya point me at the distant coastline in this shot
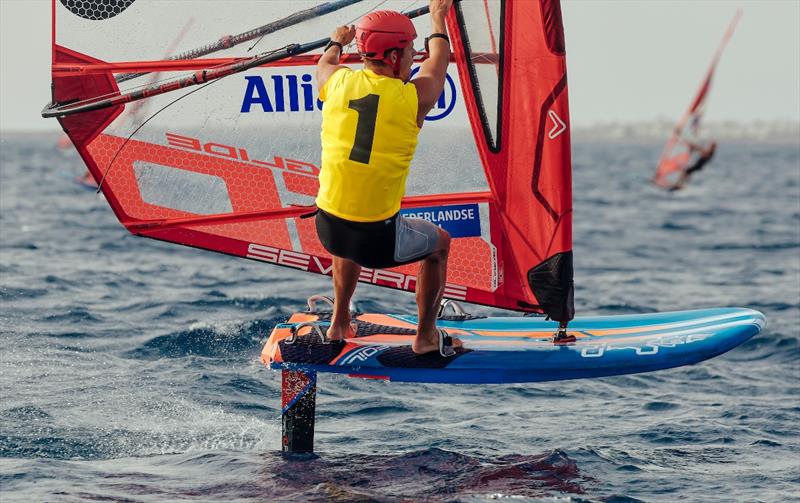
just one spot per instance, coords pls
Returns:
(650, 131)
(778, 132)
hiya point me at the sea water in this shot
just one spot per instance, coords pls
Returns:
(129, 368)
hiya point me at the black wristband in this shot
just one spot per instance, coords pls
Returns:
(436, 35)
(331, 44)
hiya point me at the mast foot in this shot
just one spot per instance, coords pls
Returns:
(562, 338)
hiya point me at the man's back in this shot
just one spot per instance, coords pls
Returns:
(369, 135)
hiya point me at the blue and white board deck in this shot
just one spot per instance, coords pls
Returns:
(513, 349)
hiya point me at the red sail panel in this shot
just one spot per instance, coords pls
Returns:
(520, 121)
(675, 156)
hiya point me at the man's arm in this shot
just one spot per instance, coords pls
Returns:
(430, 79)
(329, 62)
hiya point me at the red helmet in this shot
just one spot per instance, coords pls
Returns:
(382, 30)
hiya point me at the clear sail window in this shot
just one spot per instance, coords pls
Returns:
(482, 25)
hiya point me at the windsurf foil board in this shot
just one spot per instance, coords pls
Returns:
(511, 349)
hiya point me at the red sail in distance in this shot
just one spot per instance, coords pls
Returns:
(675, 156)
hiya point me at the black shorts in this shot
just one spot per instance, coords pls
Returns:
(377, 245)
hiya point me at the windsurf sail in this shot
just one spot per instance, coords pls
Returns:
(677, 153)
(229, 159)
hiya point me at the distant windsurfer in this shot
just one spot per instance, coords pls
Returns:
(704, 155)
(370, 123)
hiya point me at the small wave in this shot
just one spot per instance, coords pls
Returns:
(268, 307)
(660, 406)
(772, 306)
(24, 413)
(21, 293)
(247, 385)
(212, 341)
(44, 442)
(75, 315)
(625, 308)
(753, 246)
(687, 456)
(774, 347)
(22, 246)
(70, 335)
(672, 226)
(359, 408)
(216, 299)
(666, 434)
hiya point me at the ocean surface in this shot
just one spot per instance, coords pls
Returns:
(129, 368)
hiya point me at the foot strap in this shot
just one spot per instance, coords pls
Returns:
(445, 344)
(316, 329)
(314, 299)
(453, 305)
(563, 338)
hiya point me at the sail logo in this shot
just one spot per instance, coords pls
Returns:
(283, 90)
(362, 354)
(306, 262)
(240, 154)
(446, 102)
(646, 349)
(558, 125)
(298, 93)
(460, 221)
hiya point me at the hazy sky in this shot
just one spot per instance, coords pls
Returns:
(628, 60)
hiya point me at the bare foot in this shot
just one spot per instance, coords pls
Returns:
(339, 332)
(430, 343)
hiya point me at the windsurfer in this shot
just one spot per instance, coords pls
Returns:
(370, 123)
(704, 155)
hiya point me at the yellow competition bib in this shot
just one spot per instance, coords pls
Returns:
(369, 134)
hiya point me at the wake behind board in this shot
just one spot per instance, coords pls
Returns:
(512, 349)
